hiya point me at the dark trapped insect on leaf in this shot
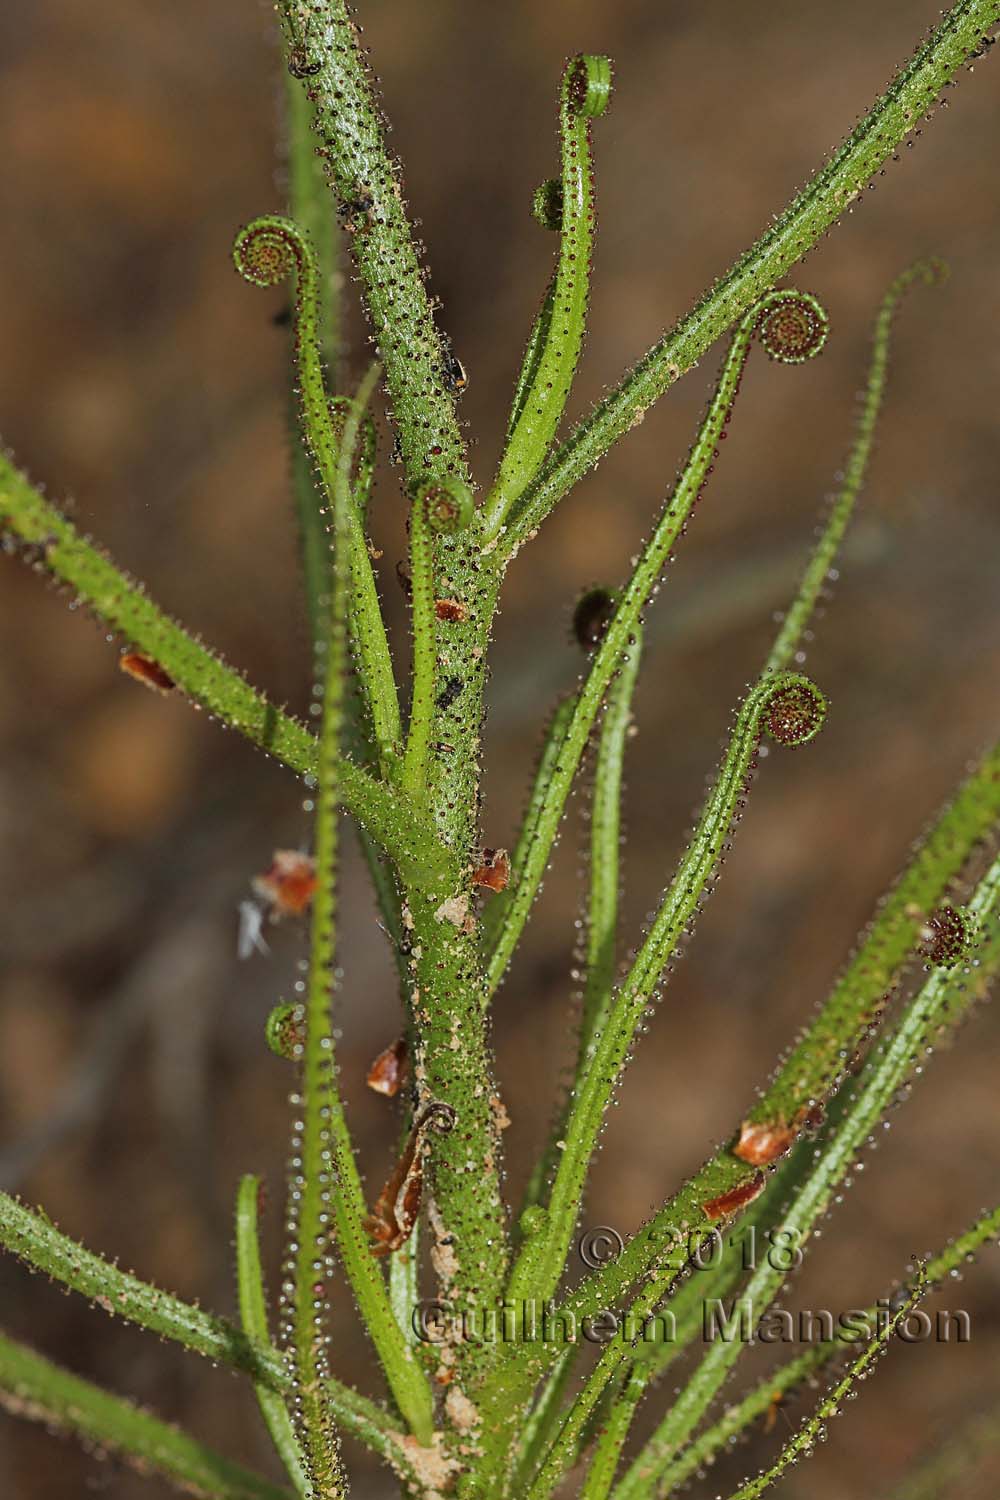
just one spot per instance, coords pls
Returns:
(592, 616)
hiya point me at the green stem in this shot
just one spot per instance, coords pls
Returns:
(584, 95)
(253, 1317)
(789, 237)
(541, 1421)
(34, 1387)
(791, 709)
(791, 326)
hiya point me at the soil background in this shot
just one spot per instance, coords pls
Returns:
(143, 381)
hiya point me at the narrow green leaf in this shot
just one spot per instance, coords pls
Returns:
(554, 348)
(803, 1367)
(938, 1006)
(49, 540)
(786, 240)
(266, 252)
(791, 326)
(802, 1444)
(611, 1439)
(34, 1387)
(35, 1240)
(791, 710)
(253, 1316)
(800, 612)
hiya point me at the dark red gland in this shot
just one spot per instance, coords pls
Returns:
(945, 936)
(793, 329)
(794, 714)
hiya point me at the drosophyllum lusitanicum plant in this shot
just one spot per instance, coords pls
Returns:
(505, 1372)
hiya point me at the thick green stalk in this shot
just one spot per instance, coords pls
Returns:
(798, 616)
(253, 1317)
(50, 541)
(791, 326)
(471, 1230)
(584, 96)
(941, 1002)
(34, 1387)
(324, 51)
(791, 710)
(541, 1421)
(789, 237)
(795, 1372)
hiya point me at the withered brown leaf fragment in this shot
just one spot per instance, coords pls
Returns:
(147, 671)
(734, 1199)
(289, 885)
(453, 611)
(493, 871)
(762, 1142)
(387, 1073)
(397, 1206)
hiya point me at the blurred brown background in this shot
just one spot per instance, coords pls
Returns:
(141, 378)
